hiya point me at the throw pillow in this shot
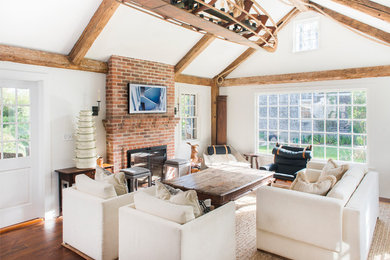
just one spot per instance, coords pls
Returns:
(118, 180)
(321, 187)
(331, 168)
(164, 191)
(188, 198)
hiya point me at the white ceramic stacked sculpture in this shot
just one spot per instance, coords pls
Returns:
(85, 141)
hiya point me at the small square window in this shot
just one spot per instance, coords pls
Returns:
(306, 35)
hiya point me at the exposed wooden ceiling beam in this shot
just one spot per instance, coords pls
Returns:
(194, 80)
(341, 74)
(48, 59)
(197, 49)
(352, 23)
(368, 7)
(246, 54)
(95, 26)
(300, 4)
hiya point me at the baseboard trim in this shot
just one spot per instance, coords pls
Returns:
(76, 251)
(384, 200)
(20, 225)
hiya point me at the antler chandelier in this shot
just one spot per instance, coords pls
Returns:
(240, 21)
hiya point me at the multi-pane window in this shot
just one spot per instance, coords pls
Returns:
(14, 122)
(334, 123)
(306, 35)
(189, 117)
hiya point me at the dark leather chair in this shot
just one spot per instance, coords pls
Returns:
(288, 161)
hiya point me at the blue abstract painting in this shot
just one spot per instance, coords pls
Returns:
(147, 99)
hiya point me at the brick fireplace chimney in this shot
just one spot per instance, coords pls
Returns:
(126, 132)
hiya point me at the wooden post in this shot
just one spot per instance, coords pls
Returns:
(214, 95)
(221, 120)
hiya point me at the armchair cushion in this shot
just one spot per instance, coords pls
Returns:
(321, 187)
(95, 188)
(269, 167)
(164, 209)
(118, 180)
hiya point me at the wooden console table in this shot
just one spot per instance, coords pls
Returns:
(69, 174)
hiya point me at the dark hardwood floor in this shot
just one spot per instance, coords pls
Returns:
(38, 241)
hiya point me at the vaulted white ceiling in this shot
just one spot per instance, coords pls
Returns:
(55, 26)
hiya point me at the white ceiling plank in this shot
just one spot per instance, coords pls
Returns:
(134, 34)
(215, 58)
(47, 25)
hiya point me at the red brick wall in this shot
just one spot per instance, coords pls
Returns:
(125, 131)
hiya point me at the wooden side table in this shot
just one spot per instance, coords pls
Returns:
(69, 174)
(249, 157)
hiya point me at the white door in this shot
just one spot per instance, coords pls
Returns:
(19, 177)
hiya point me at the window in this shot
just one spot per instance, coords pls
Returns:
(14, 122)
(189, 116)
(333, 122)
(306, 35)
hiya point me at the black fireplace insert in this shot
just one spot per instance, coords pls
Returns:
(152, 158)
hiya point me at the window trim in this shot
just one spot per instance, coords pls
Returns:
(295, 24)
(314, 89)
(181, 106)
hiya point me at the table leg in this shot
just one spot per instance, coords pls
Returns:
(149, 180)
(135, 184)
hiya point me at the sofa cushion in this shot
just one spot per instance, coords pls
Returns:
(321, 187)
(118, 180)
(162, 208)
(345, 187)
(99, 189)
(331, 168)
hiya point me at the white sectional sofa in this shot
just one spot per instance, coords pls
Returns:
(300, 225)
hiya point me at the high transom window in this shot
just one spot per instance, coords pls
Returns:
(306, 35)
(189, 117)
(334, 123)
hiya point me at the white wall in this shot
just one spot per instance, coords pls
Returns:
(242, 113)
(65, 92)
(182, 149)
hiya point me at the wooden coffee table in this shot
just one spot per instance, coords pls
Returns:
(222, 184)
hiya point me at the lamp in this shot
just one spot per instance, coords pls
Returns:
(96, 109)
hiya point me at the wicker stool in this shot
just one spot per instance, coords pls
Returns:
(133, 174)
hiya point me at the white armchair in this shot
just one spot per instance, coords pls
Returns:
(146, 236)
(90, 223)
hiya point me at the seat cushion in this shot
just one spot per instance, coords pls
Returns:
(346, 186)
(99, 189)
(163, 209)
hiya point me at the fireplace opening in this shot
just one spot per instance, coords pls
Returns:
(152, 158)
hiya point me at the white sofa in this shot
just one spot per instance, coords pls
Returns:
(145, 236)
(90, 222)
(299, 225)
